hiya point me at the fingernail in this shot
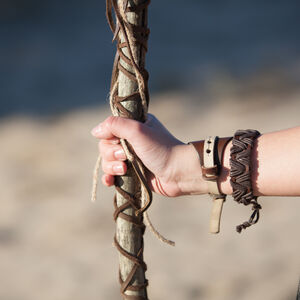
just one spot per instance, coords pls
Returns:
(120, 154)
(97, 130)
(118, 169)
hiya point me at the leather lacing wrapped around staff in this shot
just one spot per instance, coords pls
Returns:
(129, 37)
(132, 34)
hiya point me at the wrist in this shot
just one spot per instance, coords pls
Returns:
(188, 174)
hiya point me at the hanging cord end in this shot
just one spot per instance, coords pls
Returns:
(253, 219)
(155, 232)
(141, 211)
(95, 179)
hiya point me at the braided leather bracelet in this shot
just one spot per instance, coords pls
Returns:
(240, 173)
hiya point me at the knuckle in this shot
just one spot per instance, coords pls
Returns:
(107, 150)
(138, 129)
(106, 167)
(103, 148)
(110, 122)
(100, 146)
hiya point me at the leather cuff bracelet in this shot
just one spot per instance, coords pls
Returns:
(210, 154)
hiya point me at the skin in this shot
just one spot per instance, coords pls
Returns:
(174, 168)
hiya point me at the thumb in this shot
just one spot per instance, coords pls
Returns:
(117, 127)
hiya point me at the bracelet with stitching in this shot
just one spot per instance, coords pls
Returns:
(240, 173)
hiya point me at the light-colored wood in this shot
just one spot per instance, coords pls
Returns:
(129, 236)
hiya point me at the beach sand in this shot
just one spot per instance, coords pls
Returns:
(56, 244)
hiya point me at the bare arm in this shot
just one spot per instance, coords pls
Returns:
(174, 167)
(275, 164)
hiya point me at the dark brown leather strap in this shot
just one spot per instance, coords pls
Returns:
(199, 146)
(221, 145)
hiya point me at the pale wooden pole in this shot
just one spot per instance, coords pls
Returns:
(128, 235)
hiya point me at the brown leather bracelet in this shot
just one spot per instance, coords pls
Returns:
(240, 173)
(211, 172)
(221, 145)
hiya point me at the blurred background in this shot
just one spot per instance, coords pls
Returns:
(214, 68)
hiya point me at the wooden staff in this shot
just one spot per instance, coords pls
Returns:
(129, 98)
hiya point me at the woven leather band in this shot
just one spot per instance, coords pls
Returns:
(240, 173)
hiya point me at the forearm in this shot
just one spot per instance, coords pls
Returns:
(175, 167)
(275, 165)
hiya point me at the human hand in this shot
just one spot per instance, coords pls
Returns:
(173, 167)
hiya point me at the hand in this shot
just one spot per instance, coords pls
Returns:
(173, 167)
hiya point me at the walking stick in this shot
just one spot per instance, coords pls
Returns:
(129, 98)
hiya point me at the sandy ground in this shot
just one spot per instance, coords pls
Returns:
(55, 244)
